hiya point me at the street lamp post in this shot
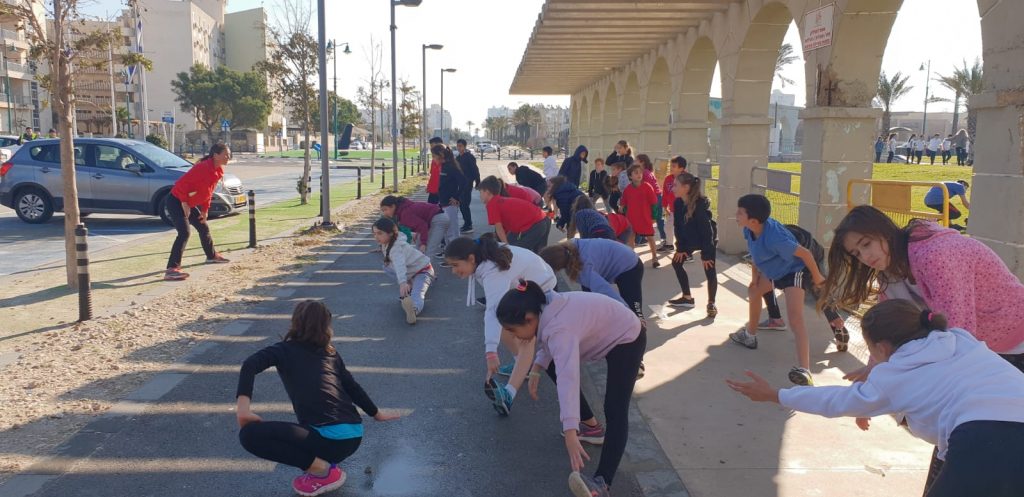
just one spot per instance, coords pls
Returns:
(325, 154)
(394, 93)
(927, 82)
(332, 46)
(443, 70)
(423, 125)
(7, 89)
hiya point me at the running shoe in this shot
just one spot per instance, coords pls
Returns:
(307, 484)
(686, 302)
(482, 301)
(801, 376)
(587, 486)
(445, 264)
(506, 370)
(502, 401)
(175, 275)
(842, 338)
(655, 264)
(410, 310)
(712, 310)
(466, 229)
(439, 255)
(217, 259)
(665, 247)
(743, 338)
(641, 371)
(772, 324)
(172, 269)
(593, 435)
(489, 387)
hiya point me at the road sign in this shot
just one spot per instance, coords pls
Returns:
(225, 125)
(818, 26)
(168, 117)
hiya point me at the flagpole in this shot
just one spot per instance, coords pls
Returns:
(144, 127)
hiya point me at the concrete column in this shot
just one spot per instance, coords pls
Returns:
(654, 141)
(690, 139)
(834, 152)
(744, 147)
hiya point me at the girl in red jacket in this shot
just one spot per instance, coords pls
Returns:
(638, 204)
(189, 203)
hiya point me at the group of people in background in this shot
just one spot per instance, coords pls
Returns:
(919, 146)
(949, 309)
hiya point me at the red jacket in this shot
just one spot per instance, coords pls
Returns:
(435, 177)
(197, 185)
(667, 197)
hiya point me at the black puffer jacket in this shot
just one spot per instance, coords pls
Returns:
(697, 232)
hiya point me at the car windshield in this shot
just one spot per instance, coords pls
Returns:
(158, 155)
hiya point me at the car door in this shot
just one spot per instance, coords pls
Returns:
(114, 186)
(46, 159)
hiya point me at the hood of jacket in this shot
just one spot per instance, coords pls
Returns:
(579, 149)
(924, 231)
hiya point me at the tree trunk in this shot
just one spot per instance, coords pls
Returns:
(373, 128)
(306, 166)
(886, 121)
(972, 128)
(64, 107)
(956, 114)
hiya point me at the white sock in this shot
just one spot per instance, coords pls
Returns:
(511, 390)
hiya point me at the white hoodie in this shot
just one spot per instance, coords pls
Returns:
(937, 383)
(496, 283)
(550, 167)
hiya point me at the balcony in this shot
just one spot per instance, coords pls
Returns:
(10, 35)
(16, 100)
(19, 68)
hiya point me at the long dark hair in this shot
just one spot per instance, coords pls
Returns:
(695, 196)
(311, 323)
(483, 249)
(216, 148)
(645, 161)
(582, 202)
(564, 255)
(446, 155)
(899, 321)
(390, 227)
(393, 201)
(553, 185)
(527, 298)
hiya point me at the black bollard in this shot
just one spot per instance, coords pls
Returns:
(531, 154)
(383, 176)
(252, 219)
(84, 289)
(405, 168)
(359, 182)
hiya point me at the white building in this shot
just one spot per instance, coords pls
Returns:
(19, 91)
(434, 120)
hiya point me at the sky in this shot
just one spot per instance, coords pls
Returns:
(484, 41)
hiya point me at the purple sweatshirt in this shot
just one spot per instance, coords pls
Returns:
(576, 327)
(603, 262)
(417, 216)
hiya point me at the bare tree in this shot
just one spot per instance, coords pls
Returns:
(374, 58)
(59, 47)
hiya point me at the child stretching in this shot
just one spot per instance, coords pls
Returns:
(676, 166)
(516, 222)
(497, 268)
(528, 177)
(409, 266)
(588, 222)
(657, 212)
(779, 262)
(324, 396)
(638, 204)
(596, 265)
(571, 328)
(617, 181)
(514, 191)
(946, 385)
(562, 193)
(694, 230)
(623, 230)
(427, 220)
(596, 185)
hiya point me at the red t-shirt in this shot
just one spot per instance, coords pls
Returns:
(618, 222)
(515, 215)
(523, 193)
(637, 201)
(667, 197)
(435, 177)
(196, 187)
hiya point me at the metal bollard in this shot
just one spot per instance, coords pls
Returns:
(499, 154)
(405, 168)
(531, 154)
(252, 219)
(84, 289)
(383, 175)
(359, 182)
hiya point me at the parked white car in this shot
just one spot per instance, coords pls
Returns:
(8, 145)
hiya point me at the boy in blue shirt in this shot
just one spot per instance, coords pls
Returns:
(958, 188)
(779, 262)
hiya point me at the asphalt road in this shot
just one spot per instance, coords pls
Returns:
(26, 246)
(449, 443)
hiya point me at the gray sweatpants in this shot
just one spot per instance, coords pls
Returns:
(439, 226)
(452, 211)
(420, 284)
(534, 238)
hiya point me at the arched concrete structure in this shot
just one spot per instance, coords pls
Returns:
(657, 106)
(686, 38)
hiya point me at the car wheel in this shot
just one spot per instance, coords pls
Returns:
(33, 206)
(161, 208)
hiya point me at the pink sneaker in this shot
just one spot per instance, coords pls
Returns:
(307, 484)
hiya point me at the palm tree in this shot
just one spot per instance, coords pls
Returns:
(785, 58)
(964, 82)
(889, 91)
(489, 126)
(500, 129)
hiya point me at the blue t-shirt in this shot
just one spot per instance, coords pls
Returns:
(772, 252)
(934, 196)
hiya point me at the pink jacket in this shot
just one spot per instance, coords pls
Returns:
(964, 279)
(650, 179)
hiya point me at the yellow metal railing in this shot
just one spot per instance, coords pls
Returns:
(895, 199)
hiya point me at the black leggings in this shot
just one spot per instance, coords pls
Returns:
(982, 458)
(772, 304)
(294, 444)
(467, 214)
(631, 288)
(613, 201)
(178, 218)
(623, 365)
(585, 412)
(709, 273)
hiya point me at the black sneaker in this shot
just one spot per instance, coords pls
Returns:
(712, 310)
(445, 264)
(482, 301)
(466, 229)
(800, 376)
(641, 371)
(684, 302)
(489, 387)
(665, 247)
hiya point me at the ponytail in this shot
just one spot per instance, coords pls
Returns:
(216, 148)
(388, 226)
(899, 321)
(483, 249)
(526, 298)
(493, 185)
(564, 256)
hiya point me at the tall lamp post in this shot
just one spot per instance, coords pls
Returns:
(443, 70)
(7, 90)
(927, 82)
(325, 154)
(332, 47)
(423, 124)
(394, 93)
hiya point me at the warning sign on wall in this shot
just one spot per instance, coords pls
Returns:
(818, 27)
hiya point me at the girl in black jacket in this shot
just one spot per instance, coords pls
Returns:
(694, 230)
(623, 153)
(452, 186)
(324, 396)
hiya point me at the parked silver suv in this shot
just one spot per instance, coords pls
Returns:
(114, 176)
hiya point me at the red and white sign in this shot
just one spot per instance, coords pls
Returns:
(818, 27)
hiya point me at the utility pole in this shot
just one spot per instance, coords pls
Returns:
(144, 124)
(325, 167)
(7, 90)
(113, 94)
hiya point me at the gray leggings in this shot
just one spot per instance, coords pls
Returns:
(452, 211)
(420, 284)
(439, 225)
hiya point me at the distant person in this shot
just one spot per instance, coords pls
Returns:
(919, 145)
(550, 163)
(324, 396)
(933, 147)
(572, 166)
(27, 136)
(516, 222)
(467, 161)
(891, 146)
(595, 185)
(910, 147)
(434, 178)
(52, 133)
(947, 149)
(452, 184)
(528, 177)
(958, 188)
(960, 141)
(623, 153)
(879, 147)
(638, 204)
(189, 203)
(427, 220)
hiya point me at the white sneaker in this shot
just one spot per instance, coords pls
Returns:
(743, 338)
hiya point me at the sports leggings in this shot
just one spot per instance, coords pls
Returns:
(294, 444)
(709, 273)
(623, 365)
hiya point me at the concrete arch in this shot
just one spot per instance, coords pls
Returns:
(593, 120)
(690, 126)
(609, 118)
(657, 109)
(631, 114)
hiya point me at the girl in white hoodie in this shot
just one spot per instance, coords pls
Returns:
(409, 266)
(948, 387)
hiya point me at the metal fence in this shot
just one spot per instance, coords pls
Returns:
(783, 190)
(897, 199)
(706, 172)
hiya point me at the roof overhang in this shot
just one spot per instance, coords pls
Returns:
(575, 42)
